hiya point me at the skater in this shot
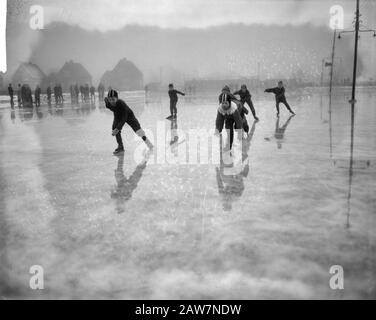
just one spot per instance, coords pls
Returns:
(37, 93)
(87, 92)
(101, 91)
(280, 97)
(246, 97)
(26, 95)
(56, 94)
(71, 91)
(11, 95)
(243, 111)
(49, 94)
(19, 95)
(228, 114)
(173, 100)
(123, 114)
(82, 92)
(76, 92)
(92, 93)
(60, 90)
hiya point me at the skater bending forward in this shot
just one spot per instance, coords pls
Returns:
(122, 115)
(228, 114)
(280, 97)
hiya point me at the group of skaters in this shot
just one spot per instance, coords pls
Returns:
(25, 95)
(231, 113)
(86, 92)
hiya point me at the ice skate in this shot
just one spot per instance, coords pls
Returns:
(118, 151)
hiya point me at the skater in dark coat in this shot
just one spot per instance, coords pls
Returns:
(49, 94)
(19, 95)
(280, 97)
(37, 93)
(76, 93)
(11, 95)
(56, 94)
(92, 93)
(173, 100)
(242, 110)
(122, 115)
(228, 115)
(246, 97)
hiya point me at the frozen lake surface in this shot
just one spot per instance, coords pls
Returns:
(110, 227)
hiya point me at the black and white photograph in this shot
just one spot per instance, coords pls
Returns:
(187, 150)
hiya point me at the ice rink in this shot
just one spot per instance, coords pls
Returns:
(111, 227)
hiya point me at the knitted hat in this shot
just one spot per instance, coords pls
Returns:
(112, 94)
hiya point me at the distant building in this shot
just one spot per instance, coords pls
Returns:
(71, 73)
(125, 76)
(28, 73)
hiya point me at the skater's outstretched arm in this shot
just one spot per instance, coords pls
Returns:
(271, 90)
(181, 93)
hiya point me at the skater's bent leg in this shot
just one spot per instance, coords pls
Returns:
(142, 135)
(277, 107)
(287, 106)
(119, 140)
(245, 125)
(250, 104)
(172, 108)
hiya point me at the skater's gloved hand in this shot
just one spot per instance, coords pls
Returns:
(115, 132)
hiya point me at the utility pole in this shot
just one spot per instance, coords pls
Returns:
(332, 67)
(353, 100)
(322, 73)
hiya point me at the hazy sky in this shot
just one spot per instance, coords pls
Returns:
(110, 15)
(114, 15)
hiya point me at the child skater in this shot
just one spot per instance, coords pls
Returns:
(228, 114)
(123, 114)
(246, 97)
(173, 100)
(241, 109)
(280, 97)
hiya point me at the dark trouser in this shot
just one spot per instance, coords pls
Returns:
(37, 101)
(230, 124)
(285, 103)
(173, 108)
(119, 140)
(12, 101)
(250, 104)
(132, 122)
(245, 125)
